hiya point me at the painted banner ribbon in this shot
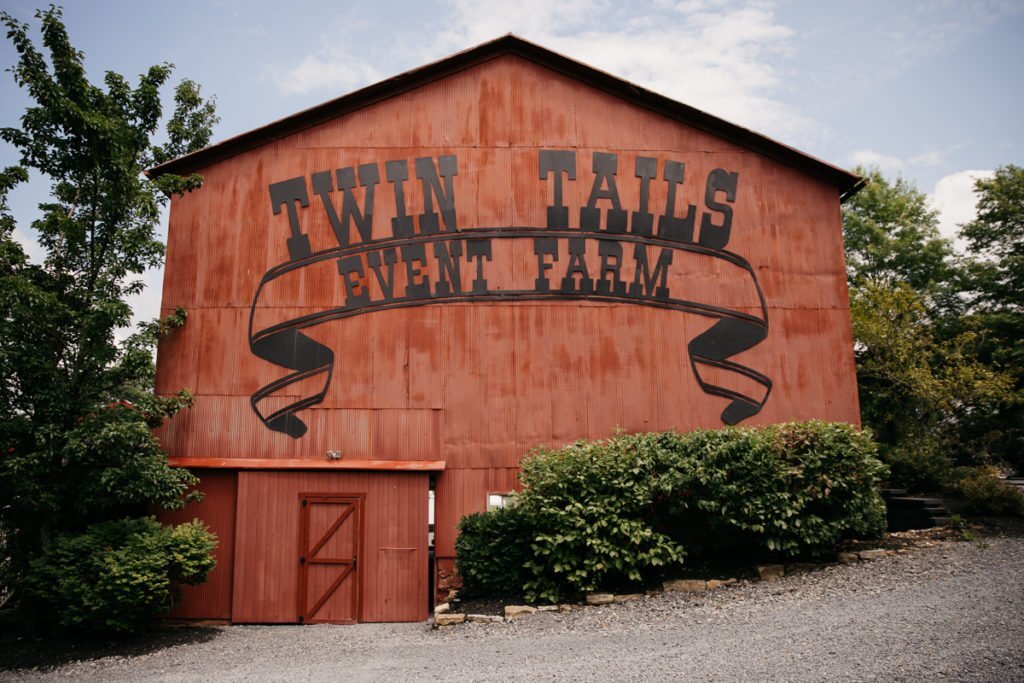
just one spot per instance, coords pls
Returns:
(459, 267)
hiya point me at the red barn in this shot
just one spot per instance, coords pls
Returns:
(413, 285)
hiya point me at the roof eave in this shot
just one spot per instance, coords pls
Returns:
(847, 183)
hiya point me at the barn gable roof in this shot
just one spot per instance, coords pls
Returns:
(847, 183)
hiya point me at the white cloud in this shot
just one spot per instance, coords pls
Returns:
(716, 56)
(690, 6)
(146, 304)
(30, 244)
(894, 165)
(331, 69)
(929, 159)
(474, 22)
(870, 158)
(955, 200)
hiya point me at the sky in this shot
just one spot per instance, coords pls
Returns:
(930, 90)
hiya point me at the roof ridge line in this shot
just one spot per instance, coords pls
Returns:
(846, 182)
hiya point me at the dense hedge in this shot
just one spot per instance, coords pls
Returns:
(630, 509)
(594, 508)
(985, 493)
(491, 550)
(118, 575)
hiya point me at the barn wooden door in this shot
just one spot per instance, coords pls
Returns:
(329, 548)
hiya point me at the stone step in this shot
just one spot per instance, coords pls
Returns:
(915, 501)
(909, 525)
(915, 512)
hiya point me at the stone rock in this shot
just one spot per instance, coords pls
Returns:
(484, 618)
(770, 572)
(729, 582)
(547, 608)
(626, 597)
(872, 554)
(714, 583)
(448, 619)
(600, 598)
(452, 594)
(442, 608)
(516, 611)
(848, 558)
(684, 586)
(565, 608)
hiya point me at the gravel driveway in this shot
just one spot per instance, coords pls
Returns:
(949, 612)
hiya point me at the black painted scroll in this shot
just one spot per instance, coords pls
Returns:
(282, 342)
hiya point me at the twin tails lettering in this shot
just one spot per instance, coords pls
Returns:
(670, 257)
(353, 223)
(435, 178)
(673, 224)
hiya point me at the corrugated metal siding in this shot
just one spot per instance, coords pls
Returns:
(461, 492)
(210, 600)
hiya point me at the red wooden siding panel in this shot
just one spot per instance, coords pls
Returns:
(393, 571)
(210, 600)
(307, 464)
(461, 492)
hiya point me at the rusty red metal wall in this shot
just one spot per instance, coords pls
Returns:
(210, 600)
(479, 384)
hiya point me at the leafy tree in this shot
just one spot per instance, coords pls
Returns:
(924, 389)
(76, 405)
(891, 235)
(917, 389)
(997, 235)
(996, 239)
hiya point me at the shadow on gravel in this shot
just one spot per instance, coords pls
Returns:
(24, 653)
(1002, 526)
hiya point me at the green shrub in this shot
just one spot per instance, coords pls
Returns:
(627, 510)
(796, 489)
(986, 494)
(592, 507)
(492, 550)
(917, 470)
(117, 575)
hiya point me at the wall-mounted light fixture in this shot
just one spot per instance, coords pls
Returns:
(334, 455)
